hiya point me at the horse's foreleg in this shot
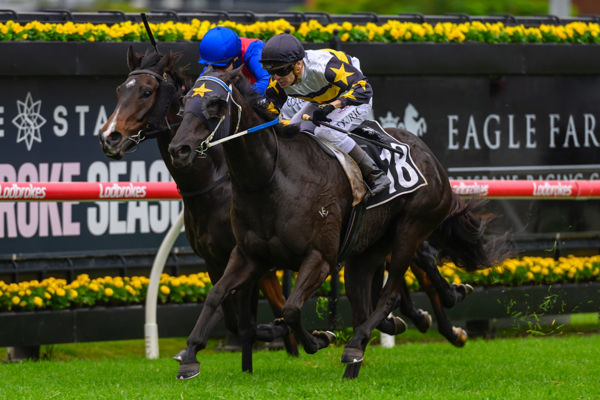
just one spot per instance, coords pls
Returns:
(271, 288)
(237, 273)
(311, 275)
(420, 318)
(247, 324)
(212, 322)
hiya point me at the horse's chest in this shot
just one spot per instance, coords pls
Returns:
(270, 249)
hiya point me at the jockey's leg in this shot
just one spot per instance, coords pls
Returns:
(375, 177)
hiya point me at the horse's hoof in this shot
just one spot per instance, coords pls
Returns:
(327, 336)
(460, 336)
(399, 324)
(468, 289)
(188, 371)
(352, 355)
(426, 322)
(464, 289)
(179, 356)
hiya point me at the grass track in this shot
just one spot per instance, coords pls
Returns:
(558, 367)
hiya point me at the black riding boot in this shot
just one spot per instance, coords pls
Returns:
(375, 178)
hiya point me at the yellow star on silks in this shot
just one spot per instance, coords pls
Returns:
(202, 90)
(349, 95)
(273, 85)
(341, 74)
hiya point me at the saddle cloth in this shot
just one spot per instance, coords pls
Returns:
(390, 155)
(393, 158)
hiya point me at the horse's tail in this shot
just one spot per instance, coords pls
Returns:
(461, 237)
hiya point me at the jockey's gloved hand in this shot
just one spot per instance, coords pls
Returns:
(320, 114)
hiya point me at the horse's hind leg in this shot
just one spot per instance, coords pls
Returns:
(455, 335)
(449, 294)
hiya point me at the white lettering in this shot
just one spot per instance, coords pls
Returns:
(548, 189)
(486, 137)
(511, 133)
(590, 125)
(82, 110)
(452, 132)
(472, 134)
(530, 131)
(571, 134)
(61, 125)
(100, 120)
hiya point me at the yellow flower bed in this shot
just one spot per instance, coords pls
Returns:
(56, 294)
(524, 271)
(309, 31)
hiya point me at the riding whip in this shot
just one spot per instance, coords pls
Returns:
(307, 117)
(149, 31)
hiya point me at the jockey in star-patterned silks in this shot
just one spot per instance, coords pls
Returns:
(335, 91)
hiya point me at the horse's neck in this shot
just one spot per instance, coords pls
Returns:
(252, 158)
(199, 178)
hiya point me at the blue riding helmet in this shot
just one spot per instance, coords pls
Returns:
(219, 46)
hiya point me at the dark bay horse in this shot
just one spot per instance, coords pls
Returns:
(290, 204)
(147, 106)
(145, 110)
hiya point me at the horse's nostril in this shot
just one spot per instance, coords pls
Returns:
(184, 150)
(114, 137)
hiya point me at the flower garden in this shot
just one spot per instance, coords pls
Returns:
(310, 31)
(56, 294)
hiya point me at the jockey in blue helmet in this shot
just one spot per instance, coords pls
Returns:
(223, 49)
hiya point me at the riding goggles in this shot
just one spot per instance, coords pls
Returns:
(280, 70)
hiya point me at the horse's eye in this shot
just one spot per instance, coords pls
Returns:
(147, 93)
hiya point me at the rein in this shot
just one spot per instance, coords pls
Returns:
(208, 143)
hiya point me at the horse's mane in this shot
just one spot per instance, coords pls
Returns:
(157, 61)
(256, 101)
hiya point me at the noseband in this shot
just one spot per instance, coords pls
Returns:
(166, 91)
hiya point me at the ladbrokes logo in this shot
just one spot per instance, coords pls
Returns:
(411, 121)
(552, 189)
(15, 192)
(474, 189)
(29, 121)
(120, 192)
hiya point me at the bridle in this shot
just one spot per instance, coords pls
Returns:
(208, 142)
(157, 122)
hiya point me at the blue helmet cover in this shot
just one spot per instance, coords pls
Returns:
(219, 46)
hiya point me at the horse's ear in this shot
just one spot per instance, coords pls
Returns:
(165, 62)
(133, 59)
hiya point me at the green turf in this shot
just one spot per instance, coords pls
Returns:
(554, 367)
